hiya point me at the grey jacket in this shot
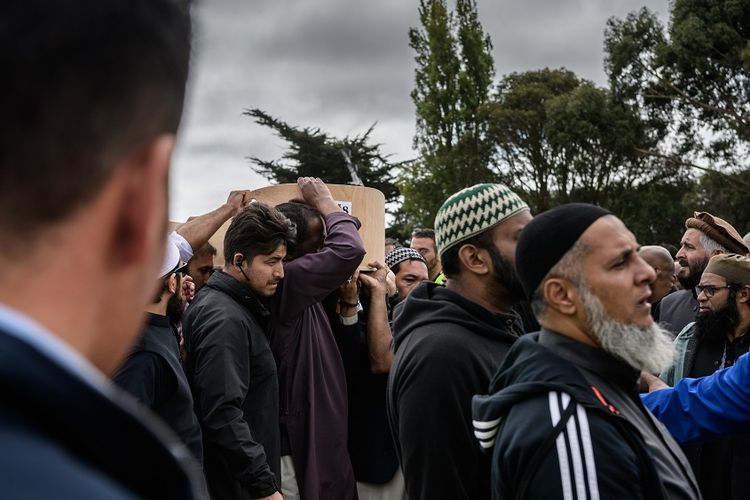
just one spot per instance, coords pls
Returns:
(685, 345)
(677, 310)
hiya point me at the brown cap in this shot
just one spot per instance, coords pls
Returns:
(730, 266)
(718, 230)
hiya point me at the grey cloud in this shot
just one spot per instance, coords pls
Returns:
(341, 65)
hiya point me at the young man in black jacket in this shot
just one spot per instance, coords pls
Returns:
(450, 340)
(230, 367)
(566, 420)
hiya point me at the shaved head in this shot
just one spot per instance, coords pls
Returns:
(661, 260)
(657, 256)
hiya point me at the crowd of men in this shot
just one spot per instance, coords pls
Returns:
(500, 355)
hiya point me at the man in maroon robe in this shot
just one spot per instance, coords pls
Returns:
(312, 383)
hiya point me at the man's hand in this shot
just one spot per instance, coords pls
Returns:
(650, 383)
(316, 193)
(188, 289)
(275, 496)
(237, 200)
(375, 281)
(348, 291)
(390, 282)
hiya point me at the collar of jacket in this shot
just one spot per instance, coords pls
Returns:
(591, 358)
(238, 291)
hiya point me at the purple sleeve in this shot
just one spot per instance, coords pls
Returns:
(310, 278)
(697, 409)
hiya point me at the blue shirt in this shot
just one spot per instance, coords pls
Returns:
(697, 409)
(26, 329)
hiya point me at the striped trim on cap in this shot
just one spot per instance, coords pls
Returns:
(398, 255)
(472, 211)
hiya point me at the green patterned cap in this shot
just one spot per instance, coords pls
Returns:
(472, 211)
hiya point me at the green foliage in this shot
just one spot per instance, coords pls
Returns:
(563, 139)
(313, 153)
(690, 85)
(452, 88)
(714, 194)
(655, 212)
(692, 82)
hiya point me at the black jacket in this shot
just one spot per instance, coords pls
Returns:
(153, 374)
(554, 431)
(370, 444)
(232, 374)
(446, 350)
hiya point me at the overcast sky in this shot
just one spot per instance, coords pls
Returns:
(342, 65)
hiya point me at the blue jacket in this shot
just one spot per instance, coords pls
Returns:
(61, 438)
(707, 407)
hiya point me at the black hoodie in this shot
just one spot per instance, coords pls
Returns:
(446, 350)
(566, 421)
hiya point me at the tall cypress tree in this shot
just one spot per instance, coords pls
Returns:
(452, 84)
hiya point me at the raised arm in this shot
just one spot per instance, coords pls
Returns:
(309, 278)
(379, 337)
(198, 230)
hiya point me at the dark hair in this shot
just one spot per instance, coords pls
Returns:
(86, 82)
(449, 258)
(205, 250)
(424, 233)
(299, 214)
(257, 230)
(670, 248)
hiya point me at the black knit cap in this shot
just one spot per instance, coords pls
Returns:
(548, 237)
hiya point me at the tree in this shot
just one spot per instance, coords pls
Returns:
(562, 139)
(690, 82)
(453, 79)
(714, 194)
(313, 153)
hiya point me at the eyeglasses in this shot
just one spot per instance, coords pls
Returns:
(709, 290)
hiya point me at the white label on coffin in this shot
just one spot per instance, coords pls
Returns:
(346, 206)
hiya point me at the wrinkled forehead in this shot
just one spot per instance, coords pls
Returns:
(411, 266)
(712, 279)
(692, 236)
(423, 243)
(608, 236)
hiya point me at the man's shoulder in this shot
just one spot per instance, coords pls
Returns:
(34, 467)
(676, 299)
(86, 451)
(443, 338)
(213, 305)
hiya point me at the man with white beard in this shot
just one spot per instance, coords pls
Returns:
(564, 415)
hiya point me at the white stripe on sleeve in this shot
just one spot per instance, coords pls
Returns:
(588, 453)
(562, 452)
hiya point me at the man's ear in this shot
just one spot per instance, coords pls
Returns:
(560, 295)
(743, 294)
(142, 183)
(474, 259)
(172, 283)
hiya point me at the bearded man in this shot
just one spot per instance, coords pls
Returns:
(153, 372)
(450, 339)
(714, 341)
(705, 236)
(565, 418)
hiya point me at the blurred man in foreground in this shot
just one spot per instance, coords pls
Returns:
(89, 121)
